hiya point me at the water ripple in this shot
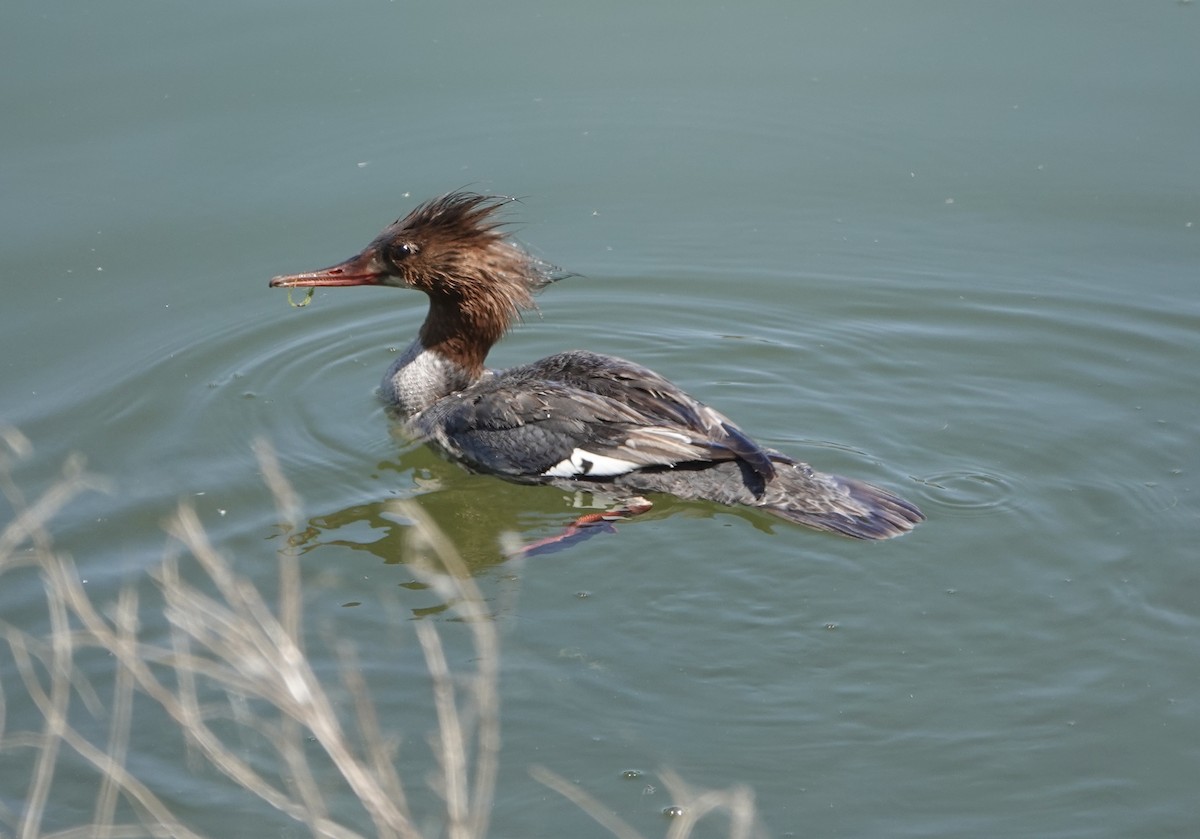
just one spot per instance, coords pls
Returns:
(970, 493)
(297, 381)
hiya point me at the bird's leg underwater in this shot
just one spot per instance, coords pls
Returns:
(585, 527)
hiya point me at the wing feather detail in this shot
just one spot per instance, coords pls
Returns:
(579, 415)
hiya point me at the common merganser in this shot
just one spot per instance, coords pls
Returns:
(576, 420)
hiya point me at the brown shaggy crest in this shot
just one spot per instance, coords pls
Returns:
(478, 281)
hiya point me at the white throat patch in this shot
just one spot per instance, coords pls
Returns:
(420, 377)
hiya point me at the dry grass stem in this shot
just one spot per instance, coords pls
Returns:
(232, 674)
(695, 805)
(118, 729)
(602, 815)
(468, 731)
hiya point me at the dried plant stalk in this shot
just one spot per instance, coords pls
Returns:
(230, 642)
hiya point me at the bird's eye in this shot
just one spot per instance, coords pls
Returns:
(403, 250)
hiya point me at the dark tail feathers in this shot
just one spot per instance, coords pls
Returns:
(796, 493)
(844, 506)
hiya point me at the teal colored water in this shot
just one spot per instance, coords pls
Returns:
(953, 249)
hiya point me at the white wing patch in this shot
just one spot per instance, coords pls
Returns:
(661, 432)
(583, 463)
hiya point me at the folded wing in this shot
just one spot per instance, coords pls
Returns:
(583, 415)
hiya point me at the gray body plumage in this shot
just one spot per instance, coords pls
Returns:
(522, 422)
